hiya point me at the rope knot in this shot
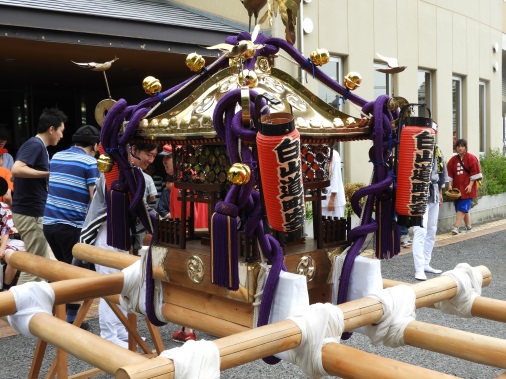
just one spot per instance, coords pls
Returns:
(227, 209)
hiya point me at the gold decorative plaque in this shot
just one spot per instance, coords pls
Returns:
(195, 268)
(306, 267)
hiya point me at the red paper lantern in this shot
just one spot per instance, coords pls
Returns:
(414, 166)
(278, 144)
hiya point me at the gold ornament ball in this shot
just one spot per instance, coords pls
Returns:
(195, 62)
(320, 56)
(104, 163)
(151, 85)
(239, 174)
(352, 80)
(248, 78)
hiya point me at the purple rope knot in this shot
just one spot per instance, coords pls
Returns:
(226, 209)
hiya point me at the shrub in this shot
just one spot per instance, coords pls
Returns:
(493, 168)
(349, 190)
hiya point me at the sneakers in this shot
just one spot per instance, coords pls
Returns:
(455, 231)
(405, 241)
(420, 276)
(183, 336)
(467, 228)
(432, 270)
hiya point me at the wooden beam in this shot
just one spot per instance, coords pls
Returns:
(484, 307)
(252, 344)
(84, 345)
(110, 258)
(71, 290)
(469, 346)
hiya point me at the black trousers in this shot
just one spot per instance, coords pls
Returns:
(61, 239)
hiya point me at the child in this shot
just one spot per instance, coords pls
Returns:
(7, 231)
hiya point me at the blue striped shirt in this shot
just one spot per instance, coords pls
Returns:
(72, 172)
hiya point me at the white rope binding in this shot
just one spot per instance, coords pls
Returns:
(195, 359)
(469, 282)
(319, 324)
(31, 298)
(133, 294)
(398, 311)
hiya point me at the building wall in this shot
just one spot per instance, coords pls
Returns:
(444, 36)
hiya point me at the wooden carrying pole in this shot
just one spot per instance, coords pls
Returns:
(71, 290)
(357, 313)
(338, 360)
(84, 345)
(344, 361)
(484, 307)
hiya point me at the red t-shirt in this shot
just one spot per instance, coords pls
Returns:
(461, 177)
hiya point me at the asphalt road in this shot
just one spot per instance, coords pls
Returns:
(489, 250)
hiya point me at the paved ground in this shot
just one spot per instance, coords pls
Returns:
(486, 245)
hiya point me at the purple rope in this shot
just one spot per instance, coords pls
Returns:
(379, 194)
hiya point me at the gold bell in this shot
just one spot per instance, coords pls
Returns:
(239, 174)
(352, 80)
(320, 56)
(248, 78)
(195, 62)
(151, 85)
(104, 163)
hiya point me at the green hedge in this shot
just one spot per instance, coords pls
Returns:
(493, 168)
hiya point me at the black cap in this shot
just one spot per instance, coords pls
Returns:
(3, 186)
(87, 134)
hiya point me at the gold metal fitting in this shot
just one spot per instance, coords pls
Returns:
(320, 56)
(104, 163)
(151, 85)
(195, 62)
(239, 174)
(352, 80)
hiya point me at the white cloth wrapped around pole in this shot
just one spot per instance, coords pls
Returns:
(31, 298)
(195, 359)
(398, 311)
(320, 324)
(469, 282)
(133, 294)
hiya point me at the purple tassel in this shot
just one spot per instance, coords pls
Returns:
(224, 249)
(118, 229)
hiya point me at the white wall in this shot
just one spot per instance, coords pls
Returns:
(445, 36)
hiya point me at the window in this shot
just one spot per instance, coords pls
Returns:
(483, 117)
(457, 108)
(334, 69)
(425, 88)
(382, 81)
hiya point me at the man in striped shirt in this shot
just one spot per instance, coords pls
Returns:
(73, 173)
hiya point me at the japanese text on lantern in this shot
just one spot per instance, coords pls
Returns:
(290, 189)
(420, 175)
